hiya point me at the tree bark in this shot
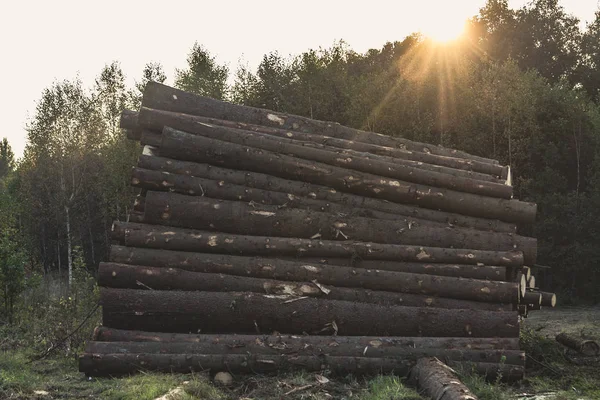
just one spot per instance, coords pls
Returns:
(548, 299)
(298, 188)
(411, 171)
(104, 334)
(193, 186)
(158, 119)
(123, 276)
(187, 147)
(583, 346)
(162, 97)
(170, 238)
(438, 381)
(298, 346)
(213, 312)
(237, 217)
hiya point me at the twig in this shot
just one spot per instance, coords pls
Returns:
(549, 368)
(297, 389)
(54, 347)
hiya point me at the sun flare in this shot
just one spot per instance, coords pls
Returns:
(444, 30)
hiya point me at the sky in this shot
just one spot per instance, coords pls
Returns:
(46, 41)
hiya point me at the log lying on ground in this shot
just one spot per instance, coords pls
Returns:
(548, 299)
(297, 188)
(162, 97)
(170, 238)
(583, 346)
(141, 277)
(187, 147)
(212, 312)
(156, 120)
(104, 334)
(193, 186)
(456, 270)
(409, 171)
(237, 217)
(442, 286)
(532, 298)
(298, 346)
(438, 381)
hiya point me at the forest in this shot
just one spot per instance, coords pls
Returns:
(521, 86)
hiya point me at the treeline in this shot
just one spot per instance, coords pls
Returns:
(521, 86)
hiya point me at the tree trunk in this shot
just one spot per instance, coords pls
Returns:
(170, 238)
(165, 98)
(411, 171)
(212, 312)
(193, 186)
(123, 276)
(548, 299)
(104, 334)
(349, 346)
(187, 147)
(242, 218)
(585, 347)
(298, 188)
(438, 381)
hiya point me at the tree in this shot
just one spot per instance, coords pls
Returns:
(203, 75)
(589, 68)
(7, 158)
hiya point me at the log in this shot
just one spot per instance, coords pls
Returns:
(523, 310)
(193, 186)
(548, 299)
(532, 298)
(129, 122)
(158, 119)
(242, 218)
(105, 334)
(531, 282)
(432, 285)
(409, 171)
(124, 276)
(491, 273)
(162, 97)
(297, 188)
(582, 346)
(170, 238)
(438, 381)
(228, 312)
(187, 147)
(136, 216)
(297, 345)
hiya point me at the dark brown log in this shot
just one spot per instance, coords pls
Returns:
(227, 312)
(297, 188)
(170, 238)
(123, 276)
(442, 286)
(162, 97)
(136, 216)
(532, 298)
(193, 186)
(129, 121)
(455, 270)
(534, 307)
(158, 119)
(438, 381)
(104, 334)
(187, 147)
(242, 218)
(548, 299)
(583, 346)
(296, 345)
(492, 372)
(409, 171)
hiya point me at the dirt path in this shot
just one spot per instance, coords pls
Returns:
(549, 322)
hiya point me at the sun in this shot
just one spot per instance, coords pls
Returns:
(444, 30)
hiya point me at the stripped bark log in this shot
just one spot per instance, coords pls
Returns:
(406, 170)
(105, 334)
(158, 119)
(297, 188)
(162, 97)
(122, 276)
(438, 381)
(583, 346)
(212, 312)
(237, 217)
(170, 238)
(443, 286)
(187, 147)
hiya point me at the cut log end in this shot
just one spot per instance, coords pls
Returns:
(439, 381)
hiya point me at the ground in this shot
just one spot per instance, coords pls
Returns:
(553, 374)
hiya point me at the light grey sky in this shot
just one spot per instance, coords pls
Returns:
(44, 41)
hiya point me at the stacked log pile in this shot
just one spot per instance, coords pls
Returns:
(263, 241)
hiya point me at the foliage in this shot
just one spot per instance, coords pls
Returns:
(389, 387)
(203, 75)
